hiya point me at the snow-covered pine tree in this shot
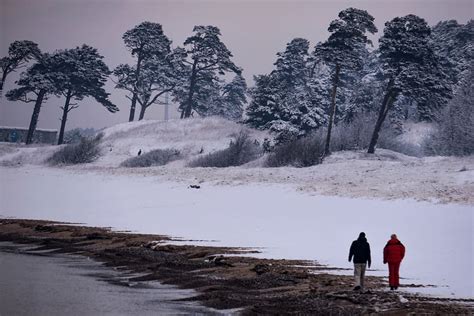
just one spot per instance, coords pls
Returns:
(35, 86)
(145, 41)
(410, 67)
(234, 98)
(207, 100)
(263, 107)
(159, 74)
(366, 95)
(291, 65)
(454, 134)
(454, 42)
(294, 112)
(342, 50)
(208, 58)
(284, 100)
(298, 115)
(78, 73)
(366, 92)
(19, 54)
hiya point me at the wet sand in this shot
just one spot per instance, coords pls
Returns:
(231, 281)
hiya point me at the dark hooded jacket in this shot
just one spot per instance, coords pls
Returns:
(360, 250)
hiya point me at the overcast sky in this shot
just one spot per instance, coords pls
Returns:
(254, 31)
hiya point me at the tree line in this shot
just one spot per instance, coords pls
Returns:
(413, 73)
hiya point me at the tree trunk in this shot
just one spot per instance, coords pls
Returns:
(4, 77)
(34, 117)
(131, 117)
(333, 110)
(387, 103)
(135, 92)
(189, 103)
(64, 119)
(142, 113)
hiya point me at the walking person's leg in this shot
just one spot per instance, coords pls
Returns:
(396, 277)
(391, 275)
(357, 275)
(362, 274)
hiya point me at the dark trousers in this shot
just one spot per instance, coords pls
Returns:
(393, 277)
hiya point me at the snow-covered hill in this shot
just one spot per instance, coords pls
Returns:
(122, 141)
(190, 137)
(386, 174)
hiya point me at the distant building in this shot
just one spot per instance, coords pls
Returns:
(18, 135)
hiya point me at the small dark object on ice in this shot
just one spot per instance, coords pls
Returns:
(195, 186)
(261, 268)
(139, 152)
(202, 150)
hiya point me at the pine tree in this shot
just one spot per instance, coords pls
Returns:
(454, 134)
(207, 99)
(365, 93)
(342, 50)
(78, 73)
(285, 101)
(454, 42)
(298, 115)
(234, 96)
(145, 41)
(19, 54)
(410, 67)
(35, 86)
(222, 99)
(208, 57)
(291, 64)
(158, 75)
(263, 107)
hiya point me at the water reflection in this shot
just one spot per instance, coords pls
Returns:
(44, 284)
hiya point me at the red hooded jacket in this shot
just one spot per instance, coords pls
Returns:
(394, 251)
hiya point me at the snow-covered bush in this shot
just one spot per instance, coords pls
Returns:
(240, 151)
(389, 140)
(87, 150)
(75, 135)
(303, 152)
(157, 157)
(353, 135)
(356, 134)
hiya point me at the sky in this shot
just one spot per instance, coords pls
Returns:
(254, 31)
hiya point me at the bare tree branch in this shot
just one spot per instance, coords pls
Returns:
(72, 108)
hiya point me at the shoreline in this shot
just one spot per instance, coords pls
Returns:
(224, 277)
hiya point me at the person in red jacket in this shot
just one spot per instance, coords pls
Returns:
(393, 254)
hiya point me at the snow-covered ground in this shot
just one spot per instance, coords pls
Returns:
(386, 175)
(300, 213)
(285, 222)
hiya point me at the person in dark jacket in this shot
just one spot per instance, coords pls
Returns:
(393, 254)
(360, 250)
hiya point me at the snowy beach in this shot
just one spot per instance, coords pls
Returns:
(277, 219)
